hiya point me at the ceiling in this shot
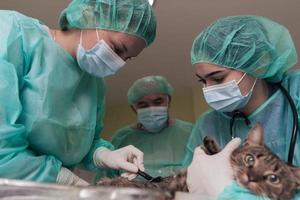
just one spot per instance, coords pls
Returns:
(179, 22)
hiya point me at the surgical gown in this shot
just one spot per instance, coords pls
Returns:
(50, 111)
(274, 114)
(163, 151)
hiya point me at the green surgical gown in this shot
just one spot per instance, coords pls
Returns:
(50, 111)
(274, 114)
(163, 151)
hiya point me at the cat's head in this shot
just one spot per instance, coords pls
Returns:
(261, 171)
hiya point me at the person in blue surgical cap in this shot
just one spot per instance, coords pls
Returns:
(52, 89)
(160, 137)
(243, 63)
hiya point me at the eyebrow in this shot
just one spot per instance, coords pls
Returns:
(158, 98)
(145, 102)
(141, 103)
(210, 74)
(198, 76)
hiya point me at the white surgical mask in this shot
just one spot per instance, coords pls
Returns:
(153, 119)
(227, 97)
(100, 61)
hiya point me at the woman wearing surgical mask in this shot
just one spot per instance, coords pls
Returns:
(242, 63)
(52, 89)
(160, 137)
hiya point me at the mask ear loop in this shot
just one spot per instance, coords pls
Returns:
(204, 85)
(252, 85)
(241, 78)
(97, 35)
(80, 40)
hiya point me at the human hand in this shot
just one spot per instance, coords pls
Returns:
(127, 158)
(209, 174)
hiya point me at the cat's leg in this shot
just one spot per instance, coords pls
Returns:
(210, 146)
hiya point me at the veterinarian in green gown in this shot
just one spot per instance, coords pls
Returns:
(52, 91)
(240, 59)
(161, 138)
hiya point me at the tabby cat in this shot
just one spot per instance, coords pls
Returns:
(170, 184)
(255, 168)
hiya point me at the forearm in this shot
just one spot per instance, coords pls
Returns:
(88, 162)
(26, 166)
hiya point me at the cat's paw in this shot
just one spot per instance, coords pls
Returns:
(210, 146)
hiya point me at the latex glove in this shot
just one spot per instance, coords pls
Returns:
(209, 174)
(67, 177)
(127, 158)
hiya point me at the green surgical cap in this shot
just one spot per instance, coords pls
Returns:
(134, 17)
(252, 44)
(148, 85)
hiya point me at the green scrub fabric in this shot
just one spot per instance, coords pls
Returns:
(163, 151)
(252, 44)
(275, 115)
(146, 86)
(135, 17)
(234, 191)
(51, 112)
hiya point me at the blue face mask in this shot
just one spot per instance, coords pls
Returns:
(153, 119)
(227, 97)
(100, 61)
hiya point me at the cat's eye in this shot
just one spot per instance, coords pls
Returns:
(249, 160)
(272, 178)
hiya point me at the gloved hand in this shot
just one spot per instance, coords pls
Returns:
(66, 177)
(209, 174)
(127, 158)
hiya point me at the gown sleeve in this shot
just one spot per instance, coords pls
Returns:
(17, 161)
(88, 161)
(194, 141)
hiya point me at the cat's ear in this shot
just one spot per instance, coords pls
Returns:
(296, 171)
(256, 135)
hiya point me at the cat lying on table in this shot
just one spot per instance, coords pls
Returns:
(255, 168)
